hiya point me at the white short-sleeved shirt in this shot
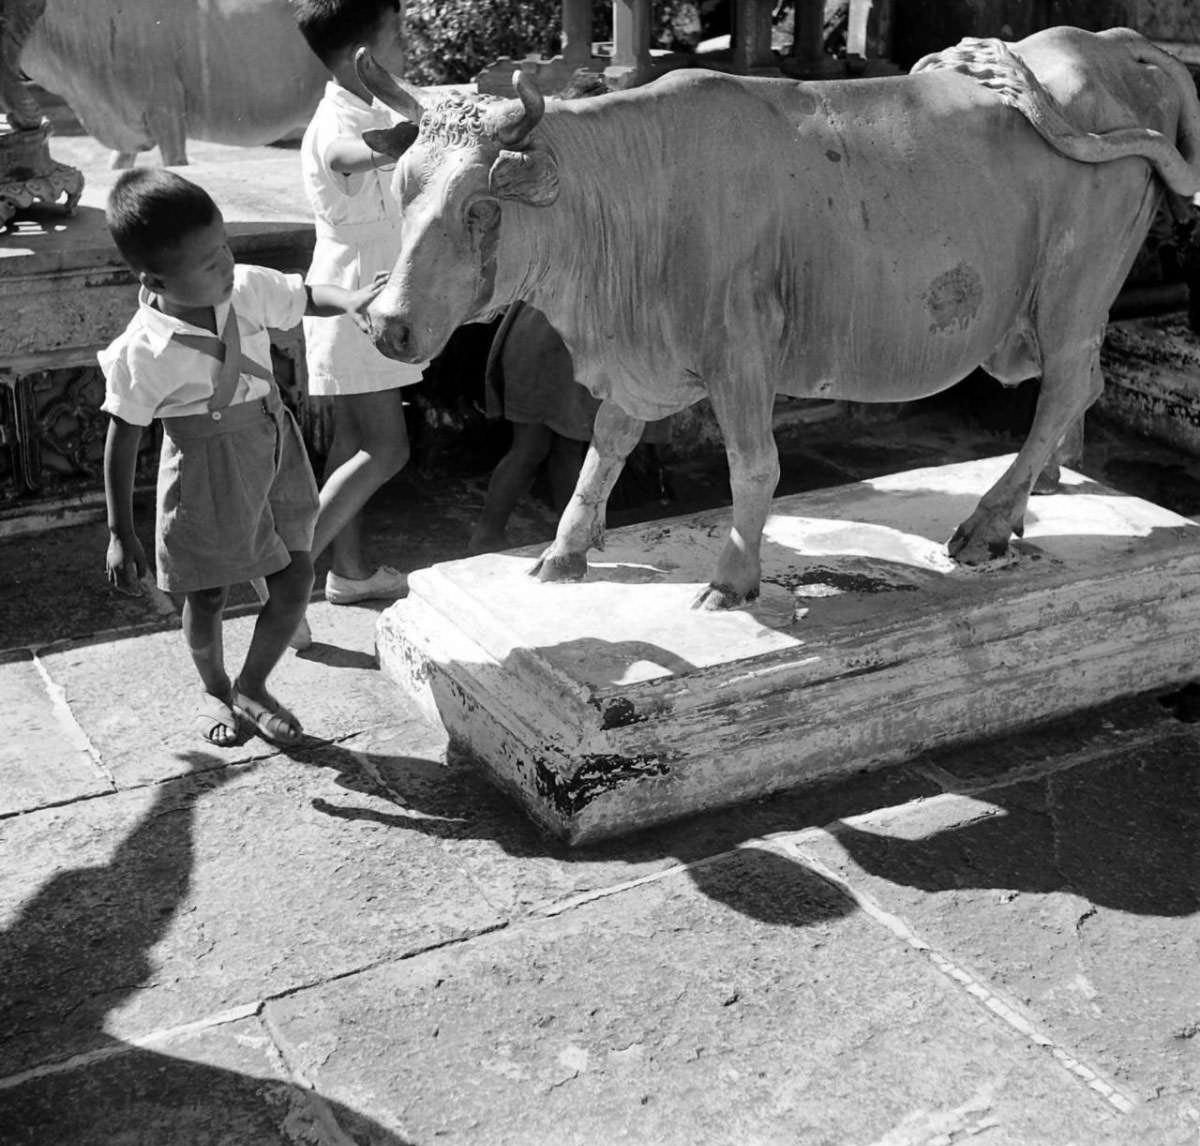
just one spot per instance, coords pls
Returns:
(148, 376)
(358, 233)
(336, 199)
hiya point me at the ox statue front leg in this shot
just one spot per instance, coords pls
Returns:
(581, 526)
(744, 415)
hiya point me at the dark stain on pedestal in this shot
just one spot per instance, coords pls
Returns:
(618, 713)
(597, 773)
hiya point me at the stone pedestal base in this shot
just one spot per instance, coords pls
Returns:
(28, 175)
(609, 705)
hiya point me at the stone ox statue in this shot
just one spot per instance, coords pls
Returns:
(873, 240)
(146, 73)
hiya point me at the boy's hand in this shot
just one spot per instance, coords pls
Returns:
(363, 297)
(125, 564)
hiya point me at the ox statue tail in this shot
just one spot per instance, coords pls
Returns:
(994, 65)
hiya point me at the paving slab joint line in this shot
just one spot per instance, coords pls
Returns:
(249, 761)
(384, 960)
(58, 700)
(287, 1062)
(154, 1038)
(776, 841)
(220, 1018)
(557, 907)
(1007, 1011)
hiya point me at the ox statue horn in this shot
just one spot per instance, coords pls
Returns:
(533, 104)
(386, 88)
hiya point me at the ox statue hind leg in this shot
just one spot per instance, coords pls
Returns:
(581, 526)
(1071, 382)
(744, 415)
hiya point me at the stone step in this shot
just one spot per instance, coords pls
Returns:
(609, 705)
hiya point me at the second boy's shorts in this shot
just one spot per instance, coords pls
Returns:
(236, 494)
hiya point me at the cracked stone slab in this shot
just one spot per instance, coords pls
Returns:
(45, 758)
(520, 869)
(1076, 896)
(224, 1086)
(746, 1000)
(136, 699)
(147, 909)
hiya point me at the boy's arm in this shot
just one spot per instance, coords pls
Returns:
(326, 300)
(376, 149)
(125, 564)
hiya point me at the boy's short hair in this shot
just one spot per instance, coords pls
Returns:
(149, 210)
(332, 26)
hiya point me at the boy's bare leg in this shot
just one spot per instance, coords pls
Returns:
(370, 445)
(302, 638)
(510, 481)
(202, 616)
(288, 594)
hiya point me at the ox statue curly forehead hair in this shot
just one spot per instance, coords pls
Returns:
(456, 119)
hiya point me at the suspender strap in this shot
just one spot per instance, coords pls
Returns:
(227, 350)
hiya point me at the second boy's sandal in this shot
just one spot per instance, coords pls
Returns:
(273, 722)
(385, 582)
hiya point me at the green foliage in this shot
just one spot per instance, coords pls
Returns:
(452, 41)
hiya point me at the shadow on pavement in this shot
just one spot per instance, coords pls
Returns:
(1121, 834)
(87, 935)
(1119, 831)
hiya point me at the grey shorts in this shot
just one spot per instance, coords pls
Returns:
(236, 495)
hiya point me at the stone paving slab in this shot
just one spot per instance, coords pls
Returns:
(1076, 896)
(224, 1086)
(135, 699)
(520, 870)
(45, 758)
(745, 1002)
(147, 909)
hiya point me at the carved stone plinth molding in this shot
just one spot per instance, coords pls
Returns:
(29, 175)
(608, 705)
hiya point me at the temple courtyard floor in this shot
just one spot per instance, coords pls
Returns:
(361, 941)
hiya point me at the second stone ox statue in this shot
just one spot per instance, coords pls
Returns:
(729, 238)
(145, 73)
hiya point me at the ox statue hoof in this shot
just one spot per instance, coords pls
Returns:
(712, 598)
(968, 549)
(560, 567)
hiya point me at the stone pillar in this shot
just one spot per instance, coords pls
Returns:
(631, 44)
(808, 56)
(751, 38)
(577, 33)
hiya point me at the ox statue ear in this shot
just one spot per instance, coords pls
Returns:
(386, 88)
(529, 176)
(391, 141)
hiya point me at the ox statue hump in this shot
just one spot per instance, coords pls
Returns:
(729, 238)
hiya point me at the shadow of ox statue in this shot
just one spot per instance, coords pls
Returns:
(874, 240)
